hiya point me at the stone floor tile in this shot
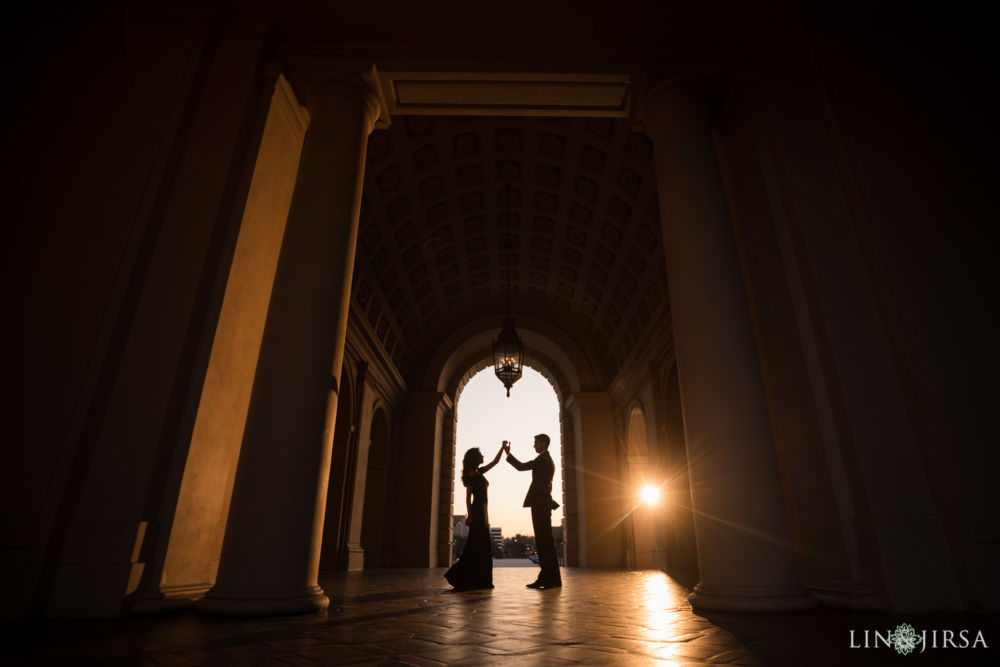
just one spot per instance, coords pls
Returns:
(734, 657)
(601, 648)
(415, 661)
(676, 653)
(457, 653)
(622, 643)
(529, 660)
(573, 653)
(621, 659)
(663, 652)
(696, 651)
(682, 638)
(470, 637)
(294, 644)
(409, 646)
(508, 646)
(560, 636)
(165, 658)
(336, 654)
(410, 617)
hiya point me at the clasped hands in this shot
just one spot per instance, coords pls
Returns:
(505, 447)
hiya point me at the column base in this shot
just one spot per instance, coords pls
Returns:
(354, 558)
(750, 599)
(260, 603)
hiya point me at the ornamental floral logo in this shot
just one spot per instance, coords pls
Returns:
(904, 639)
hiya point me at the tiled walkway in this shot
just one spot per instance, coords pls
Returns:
(410, 617)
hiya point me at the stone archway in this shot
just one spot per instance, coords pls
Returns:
(429, 418)
(638, 476)
(561, 435)
(373, 533)
(591, 496)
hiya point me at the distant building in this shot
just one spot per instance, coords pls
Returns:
(497, 536)
(458, 527)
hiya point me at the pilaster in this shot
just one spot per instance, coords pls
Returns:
(599, 497)
(417, 472)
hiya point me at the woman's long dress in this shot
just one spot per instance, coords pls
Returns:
(474, 568)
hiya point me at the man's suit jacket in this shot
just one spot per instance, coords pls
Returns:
(542, 469)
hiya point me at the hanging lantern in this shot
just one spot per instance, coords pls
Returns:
(507, 354)
(508, 350)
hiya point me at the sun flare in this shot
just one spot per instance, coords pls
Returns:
(650, 495)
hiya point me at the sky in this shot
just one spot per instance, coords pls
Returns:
(486, 417)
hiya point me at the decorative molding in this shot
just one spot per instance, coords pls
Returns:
(374, 82)
(303, 77)
(507, 94)
(655, 344)
(382, 374)
(293, 113)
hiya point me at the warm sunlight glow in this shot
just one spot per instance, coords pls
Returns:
(660, 604)
(665, 606)
(650, 495)
(485, 418)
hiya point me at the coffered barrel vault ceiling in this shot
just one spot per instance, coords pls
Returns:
(584, 229)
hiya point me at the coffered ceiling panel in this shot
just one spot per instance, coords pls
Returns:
(584, 227)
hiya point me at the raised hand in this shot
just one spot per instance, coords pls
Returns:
(496, 459)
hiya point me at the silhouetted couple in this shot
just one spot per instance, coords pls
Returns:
(474, 568)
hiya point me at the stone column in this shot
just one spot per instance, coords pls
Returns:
(270, 556)
(417, 479)
(353, 553)
(446, 476)
(599, 499)
(570, 499)
(744, 554)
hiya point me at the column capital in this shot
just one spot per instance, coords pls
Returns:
(660, 98)
(316, 86)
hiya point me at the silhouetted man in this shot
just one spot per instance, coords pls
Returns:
(539, 499)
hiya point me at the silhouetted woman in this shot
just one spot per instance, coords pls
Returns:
(474, 568)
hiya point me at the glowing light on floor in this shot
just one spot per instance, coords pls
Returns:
(659, 603)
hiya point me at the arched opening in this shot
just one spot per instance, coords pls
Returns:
(591, 497)
(373, 532)
(644, 493)
(485, 417)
